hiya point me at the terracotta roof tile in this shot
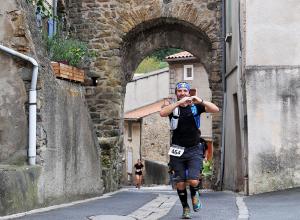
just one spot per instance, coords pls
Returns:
(144, 111)
(183, 54)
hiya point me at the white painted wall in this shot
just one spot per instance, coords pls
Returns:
(273, 101)
(273, 32)
(132, 145)
(147, 89)
(272, 90)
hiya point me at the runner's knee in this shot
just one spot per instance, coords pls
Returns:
(180, 185)
(193, 182)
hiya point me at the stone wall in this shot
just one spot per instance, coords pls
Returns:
(155, 138)
(123, 33)
(18, 188)
(68, 154)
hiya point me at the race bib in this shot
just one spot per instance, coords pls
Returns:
(176, 150)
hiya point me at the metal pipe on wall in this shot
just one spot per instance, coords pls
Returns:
(32, 103)
(54, 6)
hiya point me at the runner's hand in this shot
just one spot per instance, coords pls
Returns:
(186, 101)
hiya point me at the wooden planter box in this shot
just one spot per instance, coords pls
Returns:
(64, 71)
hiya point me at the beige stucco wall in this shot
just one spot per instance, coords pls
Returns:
(147, 89)
(273, 32)
(273, 101)
(272, 94)
(132, 145)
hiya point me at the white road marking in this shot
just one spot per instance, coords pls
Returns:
(243, 210)
(110, 217)
(152, 210)
(155, 209)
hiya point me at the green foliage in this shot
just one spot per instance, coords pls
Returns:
(163, 65)
(150, 64)
(42, 7)
(161, 54)
(207, 168)
(71, 51)
(156, 61)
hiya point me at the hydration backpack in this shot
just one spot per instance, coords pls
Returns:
(176, 113)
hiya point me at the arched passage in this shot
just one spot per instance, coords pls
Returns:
(173, 33)
(163, 33)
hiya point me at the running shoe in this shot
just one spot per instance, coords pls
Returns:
(196, 202)
(186, 213)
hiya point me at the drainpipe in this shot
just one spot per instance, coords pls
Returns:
(32, 103)
(141, 121)
(223, 69)
(54, 6)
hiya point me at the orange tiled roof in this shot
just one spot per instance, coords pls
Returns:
(144, 111)
(183, 54)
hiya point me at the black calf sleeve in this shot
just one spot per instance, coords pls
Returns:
(183, 197)
(193, 190)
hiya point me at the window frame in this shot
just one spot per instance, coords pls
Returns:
(185, 67)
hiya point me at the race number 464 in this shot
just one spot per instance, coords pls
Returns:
(176, 151)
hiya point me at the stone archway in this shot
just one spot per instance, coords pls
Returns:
(172, 33)
(159, 34)
(123, 33)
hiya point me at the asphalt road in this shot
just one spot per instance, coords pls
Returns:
(151, 203)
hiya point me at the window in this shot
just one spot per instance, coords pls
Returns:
(188, 72)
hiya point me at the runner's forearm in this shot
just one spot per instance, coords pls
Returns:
(209, 106)
(165, 111)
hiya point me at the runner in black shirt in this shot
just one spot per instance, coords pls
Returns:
(138, 173)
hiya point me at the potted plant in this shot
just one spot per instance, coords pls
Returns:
(68, 55)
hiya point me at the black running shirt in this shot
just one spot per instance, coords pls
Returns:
(187, 134)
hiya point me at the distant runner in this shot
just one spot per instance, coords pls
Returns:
(138, 173)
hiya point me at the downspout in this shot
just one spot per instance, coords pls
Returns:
(32, 103)
(141, 121)
(54, 6)
(223, 70)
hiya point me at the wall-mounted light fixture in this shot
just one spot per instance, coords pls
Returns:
(228, 37)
